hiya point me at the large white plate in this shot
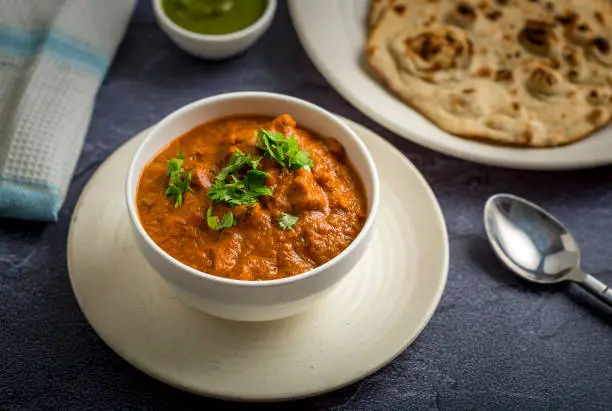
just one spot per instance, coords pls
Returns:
(333, 34)
(364, 323)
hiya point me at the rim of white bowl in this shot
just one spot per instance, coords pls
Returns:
(250, 29)
(371, 169)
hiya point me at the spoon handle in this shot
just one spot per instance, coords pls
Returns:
(597, 288)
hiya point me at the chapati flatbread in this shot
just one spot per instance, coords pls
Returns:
(377, 9)
(519, 72)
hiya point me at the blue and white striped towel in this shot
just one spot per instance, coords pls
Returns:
(53, 57)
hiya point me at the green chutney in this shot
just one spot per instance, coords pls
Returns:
(214, 16)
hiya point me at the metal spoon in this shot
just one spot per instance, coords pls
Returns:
(536, 246)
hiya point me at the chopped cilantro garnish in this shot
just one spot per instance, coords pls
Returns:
(236, 163)
(256, 179)
(227, 220)
(240, 192)
(286, 151)
(179, 181)
(287, 221)
(175, 164)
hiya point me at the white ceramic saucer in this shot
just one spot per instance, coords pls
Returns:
(363, 324)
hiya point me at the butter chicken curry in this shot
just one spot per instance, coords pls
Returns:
(251, 198)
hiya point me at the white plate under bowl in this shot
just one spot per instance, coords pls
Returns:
(370, 318)
(333, 32)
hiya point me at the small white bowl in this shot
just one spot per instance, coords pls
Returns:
(214, 46)
(252, 300)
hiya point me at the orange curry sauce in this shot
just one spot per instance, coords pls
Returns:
(329, 201)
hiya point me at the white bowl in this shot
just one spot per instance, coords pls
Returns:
(252, 300)
(214, 46)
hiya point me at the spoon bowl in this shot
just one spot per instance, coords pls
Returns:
(535, 245)
(529, 241)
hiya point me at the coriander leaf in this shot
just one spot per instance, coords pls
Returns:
(187, 181)
(239, 192)
(256, 178)
(262, 191)
(236, 163)
(286, 151)
(287, 221)
(211, 220)
(179, 180)
(268, 142)
(302, 159)
(175, 194)
(175, 164)
(254, 162)
(227, 220)
(292, 145)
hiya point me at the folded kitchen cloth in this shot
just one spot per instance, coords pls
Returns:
(53, 57)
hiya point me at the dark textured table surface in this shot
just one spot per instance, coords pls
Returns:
(495, 342)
